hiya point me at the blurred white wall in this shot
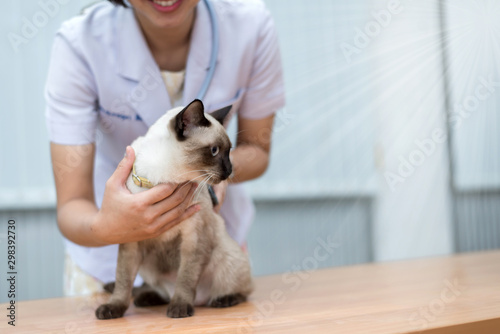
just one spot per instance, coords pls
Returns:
(474, 75)
(412, 217)
(473, 72)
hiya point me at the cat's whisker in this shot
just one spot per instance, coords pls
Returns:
(200, 188)
(193, 179)
(191, 171)
(202, 175)
(205, 182)
(202, 182)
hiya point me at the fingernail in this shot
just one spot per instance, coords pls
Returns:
(126, 152)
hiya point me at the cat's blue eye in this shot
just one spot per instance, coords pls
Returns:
(215, 150)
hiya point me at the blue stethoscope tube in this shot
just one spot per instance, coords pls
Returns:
(214, 52)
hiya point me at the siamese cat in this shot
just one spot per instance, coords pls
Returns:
(196, 262)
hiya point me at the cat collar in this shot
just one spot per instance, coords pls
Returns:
(139, 180)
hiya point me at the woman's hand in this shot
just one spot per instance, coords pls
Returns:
(126, 217)
(220, 191)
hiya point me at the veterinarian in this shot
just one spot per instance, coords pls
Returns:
(114, 71)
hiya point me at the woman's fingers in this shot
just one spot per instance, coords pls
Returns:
(167, 223)
(171, 210)
(158, 193)
(172, 215)
(182, 195)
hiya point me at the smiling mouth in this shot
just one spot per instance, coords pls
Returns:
(164, 3)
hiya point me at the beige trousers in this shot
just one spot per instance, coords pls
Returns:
(77, 282)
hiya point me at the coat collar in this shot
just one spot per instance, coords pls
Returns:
(136, 63)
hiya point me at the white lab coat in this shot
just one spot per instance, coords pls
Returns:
(105, 87)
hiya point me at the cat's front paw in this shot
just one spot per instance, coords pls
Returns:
(110, 311)
(180, 310)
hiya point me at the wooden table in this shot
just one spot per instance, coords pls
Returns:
(458, 294)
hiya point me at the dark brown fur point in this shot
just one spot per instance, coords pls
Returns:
(180, 310)
(191, 116)
(201, 158)
(111, 311)
(221, 114)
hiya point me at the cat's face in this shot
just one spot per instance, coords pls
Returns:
(204, 142)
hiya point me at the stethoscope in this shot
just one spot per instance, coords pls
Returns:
(214, 52)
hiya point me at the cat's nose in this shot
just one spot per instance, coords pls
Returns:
(226, 173)
(227, 170)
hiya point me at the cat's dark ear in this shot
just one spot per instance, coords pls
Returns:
(221, 114)
(191, 116)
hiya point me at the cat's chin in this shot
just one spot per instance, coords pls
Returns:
(219, 179)
(213, 181)
(216, 181)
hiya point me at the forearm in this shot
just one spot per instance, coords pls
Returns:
(75, 219)
(249, 162)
